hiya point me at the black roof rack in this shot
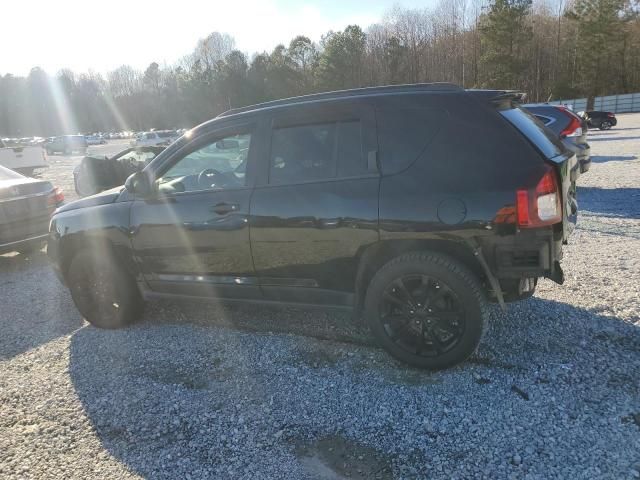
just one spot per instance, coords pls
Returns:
(366, 91)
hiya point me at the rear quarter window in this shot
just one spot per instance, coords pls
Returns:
(534, 130)
(404, 133)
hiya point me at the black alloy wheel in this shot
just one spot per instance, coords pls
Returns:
(422, 315)
(426, 309)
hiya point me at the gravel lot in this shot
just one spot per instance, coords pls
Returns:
(199, 390)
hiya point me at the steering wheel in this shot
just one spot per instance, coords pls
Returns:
(205, 177)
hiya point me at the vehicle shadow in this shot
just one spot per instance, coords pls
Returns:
(613, 202)
(176, 399)
(613, 158)
(27, 280)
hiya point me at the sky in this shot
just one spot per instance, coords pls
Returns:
(100, 36)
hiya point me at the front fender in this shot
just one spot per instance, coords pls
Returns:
(101, 228)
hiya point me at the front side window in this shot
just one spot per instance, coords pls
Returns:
(320, 151)
(218, 165)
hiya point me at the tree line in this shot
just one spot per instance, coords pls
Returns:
(549, 49)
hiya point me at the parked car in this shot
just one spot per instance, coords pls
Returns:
(569, 127)
(98, 173)
(66, 144)
(95, 140)
(23, 159)
(26, 205)
(160, 137)
(601, 120)
(363, 199)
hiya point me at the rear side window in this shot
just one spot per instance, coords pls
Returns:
(534, 130)
(404, 133)
(320, 151)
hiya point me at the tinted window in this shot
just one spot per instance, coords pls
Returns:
(303, 153)
(321, 151)
(534, 130)
(150, 136)
(351, 158)
(167, 134)
(221, 164)
(403, 133)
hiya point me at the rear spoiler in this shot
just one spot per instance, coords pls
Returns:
(499, 98)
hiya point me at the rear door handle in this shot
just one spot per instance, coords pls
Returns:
(224, 208)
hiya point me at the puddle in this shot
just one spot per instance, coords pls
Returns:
(338, 458)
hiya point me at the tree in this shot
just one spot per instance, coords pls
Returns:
(602, 28)
(549, 48)
(505, 36)
(342, 60)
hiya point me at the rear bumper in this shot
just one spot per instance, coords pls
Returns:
(527, 254)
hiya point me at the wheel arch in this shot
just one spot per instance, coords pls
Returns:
(100, 244)
(378, 254)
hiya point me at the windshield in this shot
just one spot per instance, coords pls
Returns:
(535, 131)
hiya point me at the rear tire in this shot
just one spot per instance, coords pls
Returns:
(426, 309)
(105, 294)
(605, 125)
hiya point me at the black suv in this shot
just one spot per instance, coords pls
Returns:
(601, 120)
(411, 205)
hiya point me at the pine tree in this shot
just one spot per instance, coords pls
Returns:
(504, 35)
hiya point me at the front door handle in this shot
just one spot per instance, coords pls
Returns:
(224, 208)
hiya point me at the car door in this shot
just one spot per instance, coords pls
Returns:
(192, 236)
(316, 205)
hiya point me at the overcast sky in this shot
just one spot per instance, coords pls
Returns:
(101, 36)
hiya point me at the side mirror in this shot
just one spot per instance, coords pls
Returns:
(139, 184)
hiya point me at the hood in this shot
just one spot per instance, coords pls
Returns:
(102, 198)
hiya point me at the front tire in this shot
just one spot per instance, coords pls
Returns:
(105, 294)
(426, 309)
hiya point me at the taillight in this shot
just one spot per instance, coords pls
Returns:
(56, 197)
(540, 206)
(574, 129)
(611, 115)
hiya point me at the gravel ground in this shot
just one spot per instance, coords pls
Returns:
(201, 390)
